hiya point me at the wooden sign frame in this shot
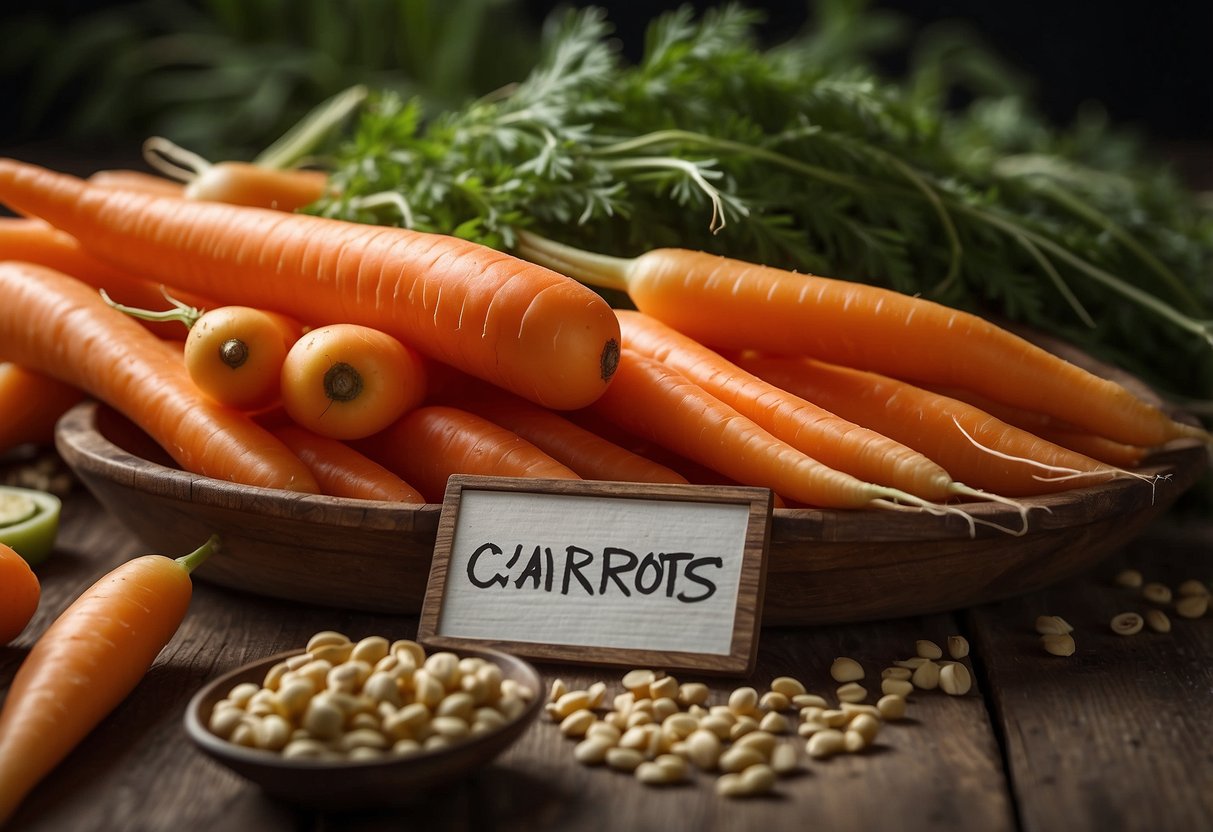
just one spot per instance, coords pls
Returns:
(751, 577)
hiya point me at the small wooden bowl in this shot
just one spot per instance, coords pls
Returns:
(822, 566)
(364, 784)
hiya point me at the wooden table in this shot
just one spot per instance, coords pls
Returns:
(1114, 737)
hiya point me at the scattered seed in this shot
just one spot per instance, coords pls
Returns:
(783, 759)
(902, 673)
(955, 679)
(928, 649)
(826, 743)
(1156, 593)
(1192, 606)
(852, 692)
(1191, 587)
(1052, 625)
(1157, 621)
(926, 676)
(1058, 644)
(1130, 578)
(898, 687)
(958, 647)
(788, 686)
(1127, 624)
(846, 669)
(891, 707)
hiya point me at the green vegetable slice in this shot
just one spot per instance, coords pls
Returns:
(29, 522)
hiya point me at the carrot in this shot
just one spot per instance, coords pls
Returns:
(233, 353)
(590, 455)
(730, 304)
(54, 324)
(89, 659)
(342, 471)
(135, 180)
(34, 241)
(976, 447)
(521, 326)
(347, 381)
(431, 443)
(19, 595)
(657, 402)
(33, 402)
(836, 442)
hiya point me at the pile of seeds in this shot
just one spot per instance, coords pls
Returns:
(663, 730)
(344, 700)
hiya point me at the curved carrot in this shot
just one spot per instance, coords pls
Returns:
(34, 241)
(834, 441)
(54, 324)
(121, 179)
(735, 305)
(431, 443)
(590, 455)
(657, 402)
(518, 325)
(976, 447)
(89, 659)
(19, 596)
(342, 471)
(347, 381)
(33, 402)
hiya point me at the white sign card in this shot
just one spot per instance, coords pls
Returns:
(605, 573)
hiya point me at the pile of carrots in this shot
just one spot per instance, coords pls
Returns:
(361, 361)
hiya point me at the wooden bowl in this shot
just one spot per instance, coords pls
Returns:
(362, 784)
(823, 566)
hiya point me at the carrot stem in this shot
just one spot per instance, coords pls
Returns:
(599, 270)
(200, 555)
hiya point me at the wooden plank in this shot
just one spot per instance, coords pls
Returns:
(1111, 737)
(138, 770)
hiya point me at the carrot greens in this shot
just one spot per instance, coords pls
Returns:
(800, 155)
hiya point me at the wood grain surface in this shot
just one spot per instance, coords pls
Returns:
(1112, 738)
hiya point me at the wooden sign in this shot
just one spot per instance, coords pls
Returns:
(662, 576)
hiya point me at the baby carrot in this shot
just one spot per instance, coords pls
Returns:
(834, 441)
(89, 659)
(518, 325)
(347, 381)
(431, 443)
(53, 324)
(19, 596)
(33, 402)
(342, 471)
(657, 402)
(730, 304)
(977, 448)
(590, 455)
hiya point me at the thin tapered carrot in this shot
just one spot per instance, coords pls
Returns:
(20, 592)
(86, 663)
(866, 454)
(521, 326)
(34, 241)
(431, 443)
(121, 179)
(54, 324)
(590, 455)
(730, 304)
(32, 403)
(342, 471)
(976, 447)
(659, 403)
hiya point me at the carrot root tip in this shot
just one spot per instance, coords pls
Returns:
(342, 383)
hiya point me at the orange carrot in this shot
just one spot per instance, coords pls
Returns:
(33, 402)
(590, 455)
(347, 381)
(657, 402)
(431, 443)
(977, 448)
(33, 241)
(54, 324)
(135, 180)
(730, 304)
(89, 660)
(19, 596)
(521, 326)
(836, 442)
(343, 471)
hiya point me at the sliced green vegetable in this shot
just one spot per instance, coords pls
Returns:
(29, 521)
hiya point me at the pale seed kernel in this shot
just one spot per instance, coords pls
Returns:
(853, 742)
(1192, 606)
(955, 679)
(783, 759)
(597, 693)
(638, 681)
(866, 725)
(927, 649)
(845, 669)
(577, 723)
(826, 743)
(370, 650)
(853, 709)
(605, 731)
(773, 700)
(703, 749)
(1127, 624)
(774, 722)
(758, 779)
(1052, 625)
(744, 725)
(592, 751)
(835, 718)
(912, 663)
(664, 707)
(891, 707)
(897, 687)
(809, 700)
(926, 676)
(731, 785)
(762, 741)
(1191, 587)
(574, 700)
(788, 686)
(743, 700)
(674, 765)
(1058, 644)
(624, 759)
(692, 693)
(810, 727)
(666, 687)
(739, 758)
(899, 673)
(1157, 620)
(1156, 593)
(1130, 578)
(557, 690)
(852, 692)
(958, 647)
